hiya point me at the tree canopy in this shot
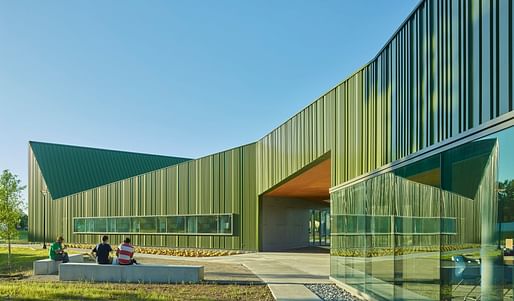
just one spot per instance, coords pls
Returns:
(11, 204)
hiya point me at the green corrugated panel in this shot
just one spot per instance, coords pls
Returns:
(70, 169)
(220, 183)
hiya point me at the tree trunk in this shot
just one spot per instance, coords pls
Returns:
(9, 254)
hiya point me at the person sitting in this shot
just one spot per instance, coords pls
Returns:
(101, 251)
(125, 253)
(57, 252)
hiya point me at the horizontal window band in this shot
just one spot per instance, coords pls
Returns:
(190, 225)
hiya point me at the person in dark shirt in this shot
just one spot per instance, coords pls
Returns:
(102, 250)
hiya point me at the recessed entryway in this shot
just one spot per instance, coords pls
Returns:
(296, 212)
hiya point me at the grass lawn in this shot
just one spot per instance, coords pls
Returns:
(18, 286)
(27, 290)
(21, 260)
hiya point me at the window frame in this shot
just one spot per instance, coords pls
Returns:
(394, 220)
(131, 217)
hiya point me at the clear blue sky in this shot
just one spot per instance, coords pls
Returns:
(184, 78)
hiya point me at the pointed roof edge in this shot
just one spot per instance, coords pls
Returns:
(78, 185)
(108, 149)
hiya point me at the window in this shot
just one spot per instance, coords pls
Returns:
(448, 225)
(355, 223)
(381, 224)
(225, 223)
(148, 224)
(135, 225)
(100, 224)
(191, 224)
(122, 224)
(79, 225)
(161, 224)
(417, 225)
(176, 224)
(111, 225)
(207, 224)
(89, 225)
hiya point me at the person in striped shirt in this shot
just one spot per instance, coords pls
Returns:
(125, 253)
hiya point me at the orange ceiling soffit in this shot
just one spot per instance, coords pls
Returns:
(311, 184)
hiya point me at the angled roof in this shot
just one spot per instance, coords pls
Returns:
(70, 169)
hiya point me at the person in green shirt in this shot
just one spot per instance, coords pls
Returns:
(57, 252)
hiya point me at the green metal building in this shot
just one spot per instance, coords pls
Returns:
(413, 154)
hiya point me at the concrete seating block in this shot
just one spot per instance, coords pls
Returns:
(140, 273)
(49, 266)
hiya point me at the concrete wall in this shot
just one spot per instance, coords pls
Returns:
(285, 223)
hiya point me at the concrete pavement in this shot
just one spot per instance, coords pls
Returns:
(285, 273)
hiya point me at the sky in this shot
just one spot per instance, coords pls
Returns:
(178, 78)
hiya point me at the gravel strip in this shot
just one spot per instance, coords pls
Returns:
(331, 292)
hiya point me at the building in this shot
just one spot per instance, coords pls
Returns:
(413, 154)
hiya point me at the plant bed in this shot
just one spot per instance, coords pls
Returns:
(168, 251)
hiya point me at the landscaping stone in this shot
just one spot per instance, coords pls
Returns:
(331, 292)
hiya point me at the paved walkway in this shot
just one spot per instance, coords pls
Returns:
(285, 273)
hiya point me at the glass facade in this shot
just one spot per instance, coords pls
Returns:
(211, 224)
(441, 228)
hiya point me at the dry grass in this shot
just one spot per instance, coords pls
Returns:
(25, 290)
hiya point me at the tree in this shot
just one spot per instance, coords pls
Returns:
(10, 208)
(24, 221)
(506, 199)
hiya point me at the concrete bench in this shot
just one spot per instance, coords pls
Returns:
(49, 266)
(141, 273)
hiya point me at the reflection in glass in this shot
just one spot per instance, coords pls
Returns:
(191, 224)
(379, 238)
(184, 224)
(99, 225)
(135, 224)
(148, 224)
(225, 224)
(451, 227)
(176, 224)
(207, 224)
(161, 224)
(122, 224)
(79, 225)
(90, 226)
(111, 225)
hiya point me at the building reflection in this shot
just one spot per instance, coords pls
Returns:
(438, 229)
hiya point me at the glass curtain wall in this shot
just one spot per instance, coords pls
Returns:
(438, 229)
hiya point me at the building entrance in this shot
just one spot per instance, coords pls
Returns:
(296, 213)
(319, 227)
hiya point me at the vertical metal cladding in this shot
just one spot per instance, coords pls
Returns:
(219, 183)
(446, 70)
